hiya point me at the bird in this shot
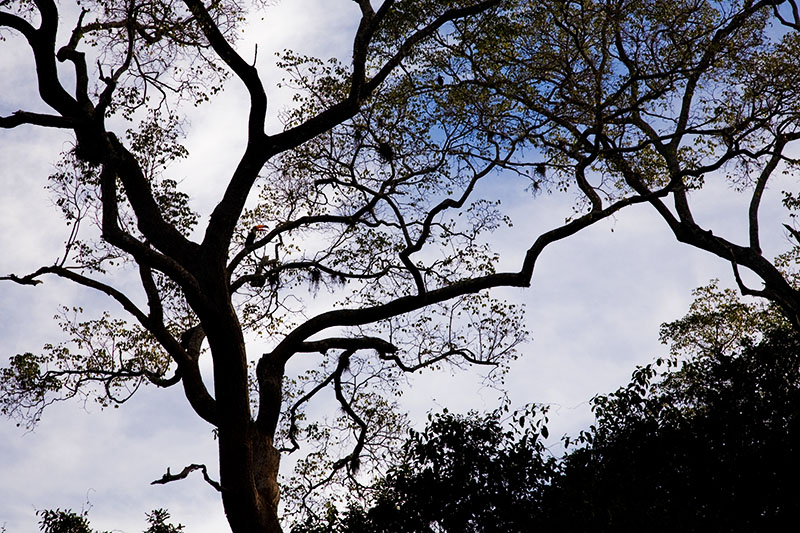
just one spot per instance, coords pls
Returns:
(251, 235)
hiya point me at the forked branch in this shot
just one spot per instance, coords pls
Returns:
(169, 477)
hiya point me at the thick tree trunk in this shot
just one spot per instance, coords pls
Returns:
(248, 461)
(248, 476)
(266, 461)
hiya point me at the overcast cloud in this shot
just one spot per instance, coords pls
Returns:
(593, 310)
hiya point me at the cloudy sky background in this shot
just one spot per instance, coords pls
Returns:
(593, 310)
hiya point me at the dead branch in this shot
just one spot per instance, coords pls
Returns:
(169, 477)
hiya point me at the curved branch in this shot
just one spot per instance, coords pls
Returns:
(121, 298)
(349, 345)
(18, 23)
(583, 183)
(522, 278)
(466, 354)
(744, 289)
(352, 461)
(777, 288)
(163, 383)
(758, 192)
(293, 414)
(43, 42)
(153, 297)
(448, 203)
(70, 53)
(794, 23)
(185, 353)
(243, 70)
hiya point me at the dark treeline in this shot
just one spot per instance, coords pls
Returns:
(704, 440)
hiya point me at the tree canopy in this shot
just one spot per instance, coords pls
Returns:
(376, 189)
(708, 444)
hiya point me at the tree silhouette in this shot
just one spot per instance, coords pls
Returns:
(373, 189)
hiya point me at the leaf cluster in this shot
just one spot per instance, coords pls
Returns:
(105, 360)
(68, 521)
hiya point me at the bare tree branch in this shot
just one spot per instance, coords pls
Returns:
(353, 460)
(168, 477)
(36, 119)
(244, 71)
(367, 315)
(349, 344)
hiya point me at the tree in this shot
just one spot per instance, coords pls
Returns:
(462, 473)
(68, 521)
(59, 521)
(703, 440)
(361, 193)
(709, 444)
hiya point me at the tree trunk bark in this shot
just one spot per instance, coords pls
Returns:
(248, 461)
(249, 480)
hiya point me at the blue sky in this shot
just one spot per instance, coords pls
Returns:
(593, 310)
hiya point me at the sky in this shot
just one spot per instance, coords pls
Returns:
(594, 307)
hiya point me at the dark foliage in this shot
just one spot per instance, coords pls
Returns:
(709, 445)
(712, 447)
(68, 521)
(463, 473)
